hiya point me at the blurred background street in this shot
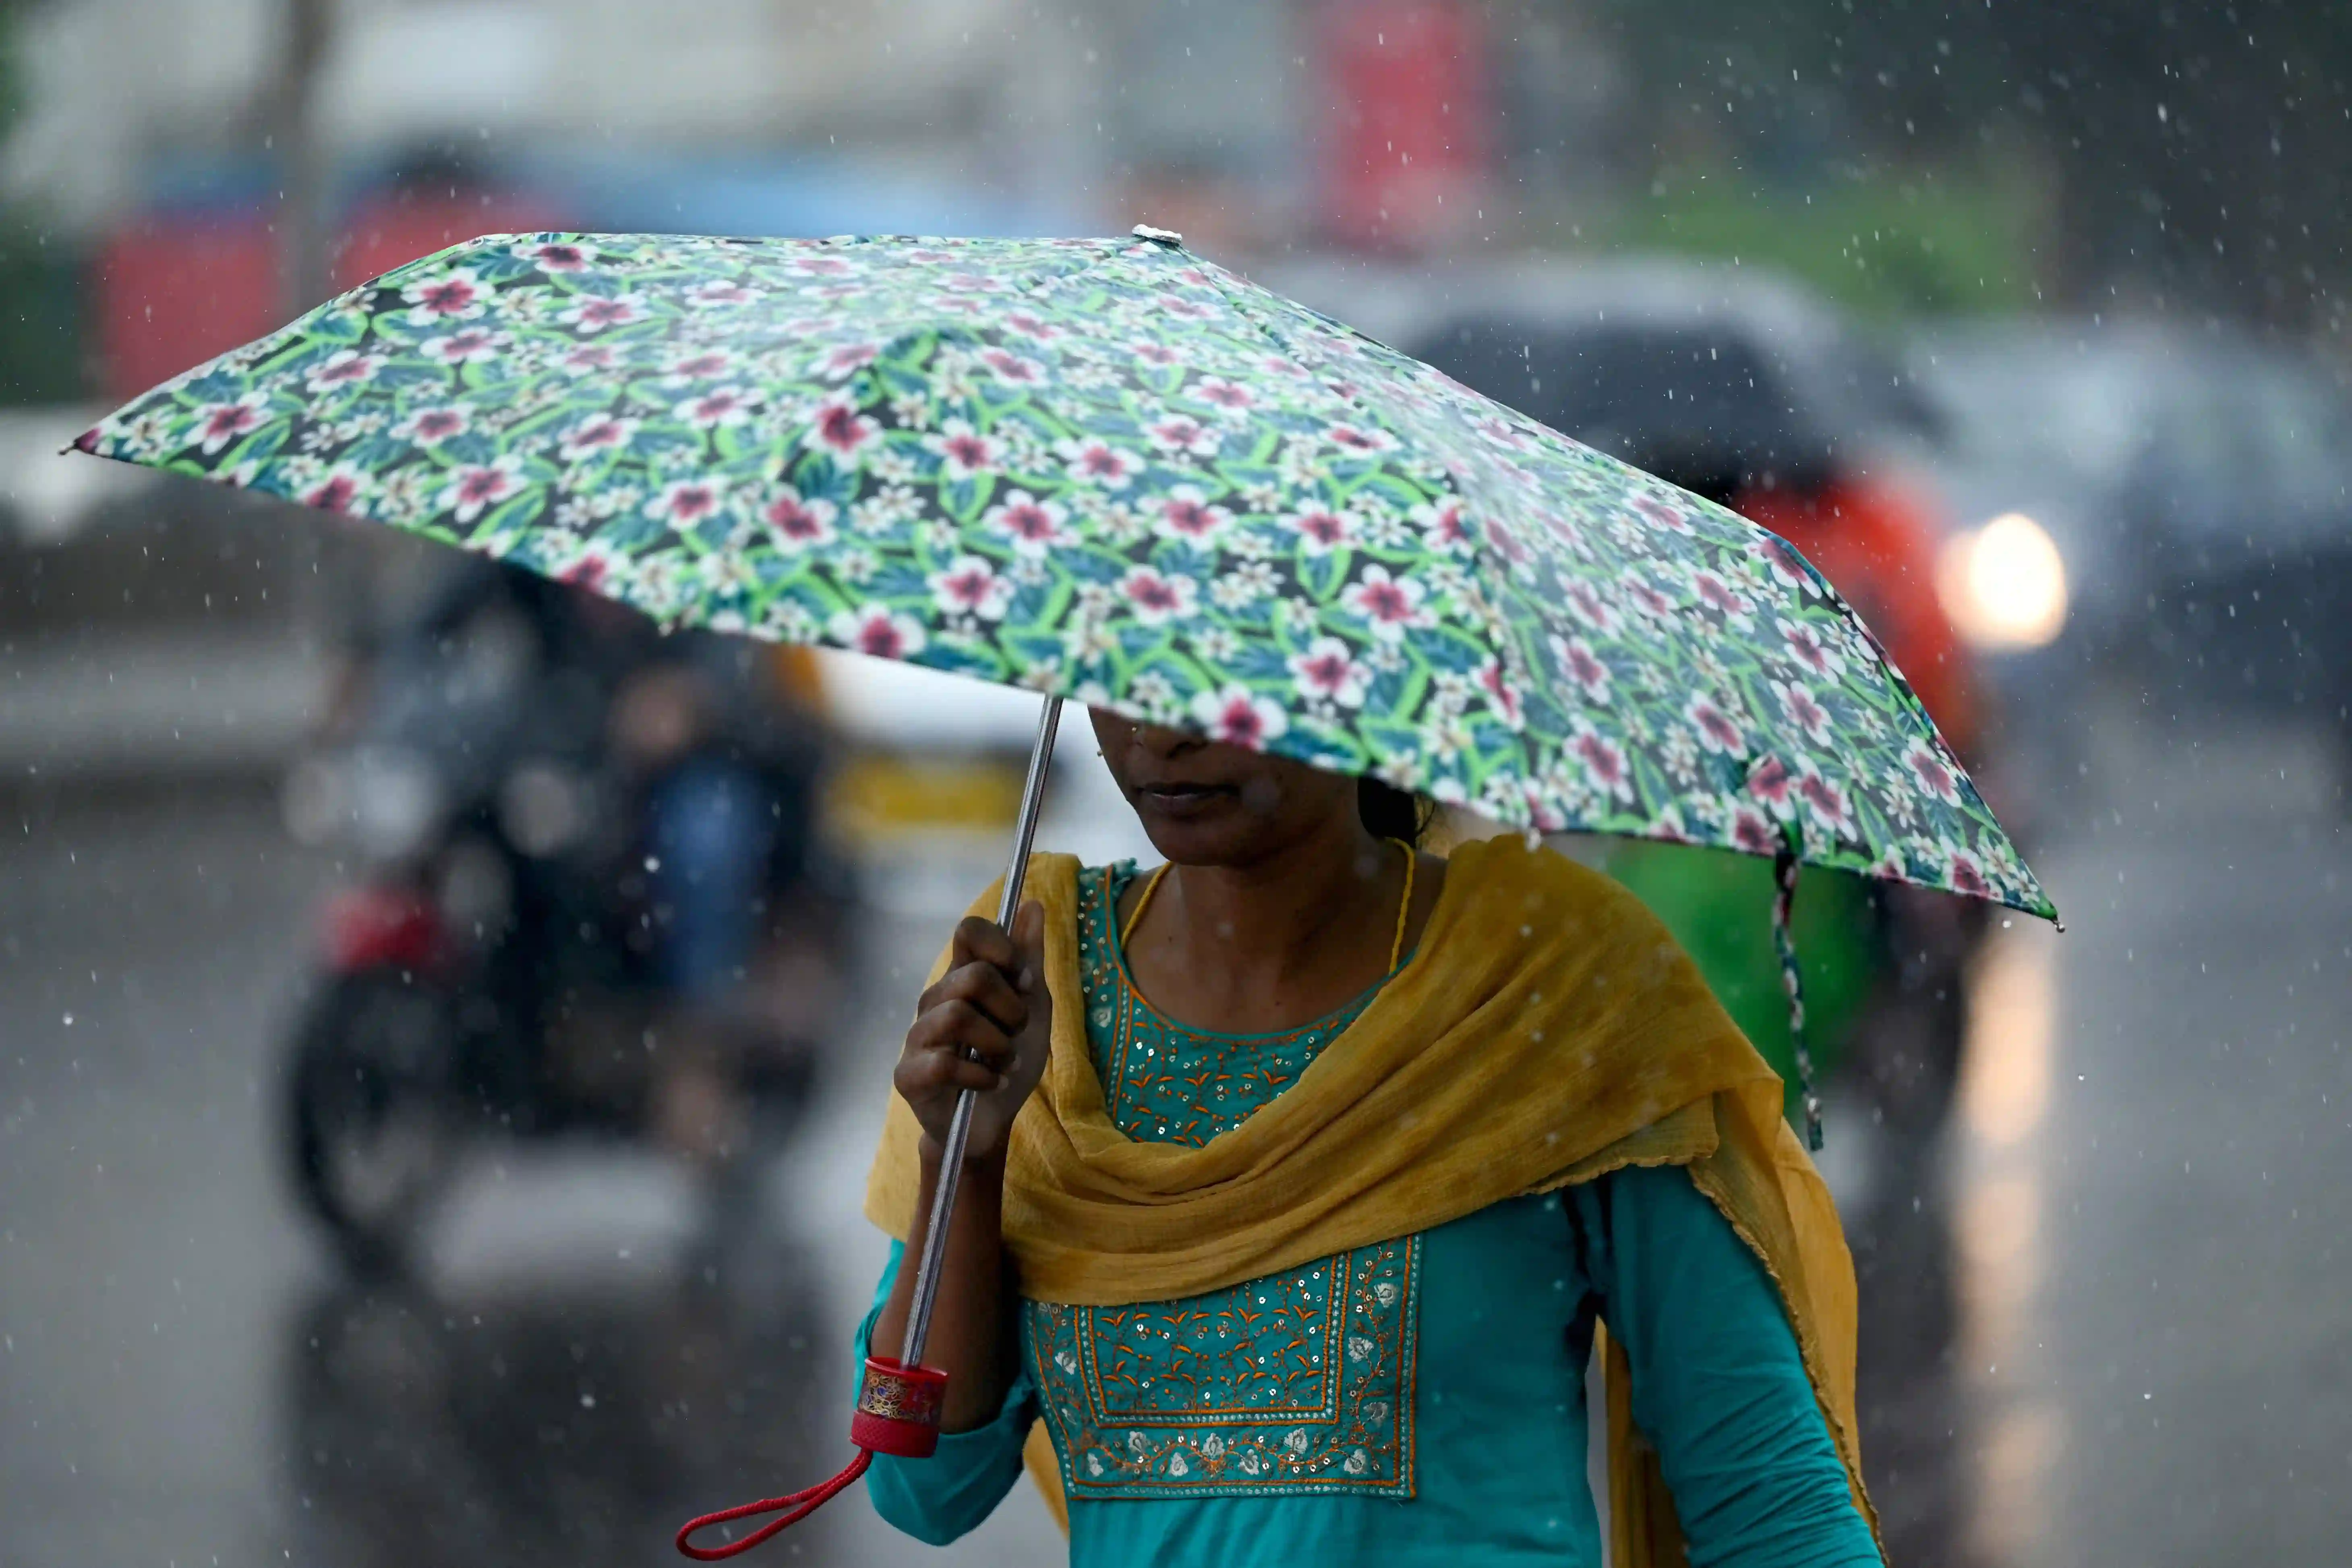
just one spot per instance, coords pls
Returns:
(2027, 326)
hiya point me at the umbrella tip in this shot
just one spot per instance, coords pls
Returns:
(1167, 236)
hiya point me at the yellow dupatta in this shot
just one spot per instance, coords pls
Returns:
(1548, 1030)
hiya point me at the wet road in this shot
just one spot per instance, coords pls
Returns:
(2103, 1326)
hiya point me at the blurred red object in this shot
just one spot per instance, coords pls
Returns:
(1405, 144)
(370, 927)
(388, 231)
(174, 289)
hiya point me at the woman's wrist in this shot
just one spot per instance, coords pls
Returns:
(988, 1165)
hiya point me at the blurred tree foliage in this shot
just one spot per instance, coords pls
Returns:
(2200, 149)
(42, 354)
(1885, 244)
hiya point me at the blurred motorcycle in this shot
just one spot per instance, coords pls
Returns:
(592, 900)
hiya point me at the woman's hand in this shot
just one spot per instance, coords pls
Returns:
(984, 1027)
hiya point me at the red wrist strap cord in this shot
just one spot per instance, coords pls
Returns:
(897, 1414)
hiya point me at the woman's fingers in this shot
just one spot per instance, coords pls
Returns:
(1028, 943)
(985, 987)
(979, 941)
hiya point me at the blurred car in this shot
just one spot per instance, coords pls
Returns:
(1749, 391)
(2166, 505)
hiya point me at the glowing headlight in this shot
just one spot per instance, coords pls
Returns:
(2004, 584)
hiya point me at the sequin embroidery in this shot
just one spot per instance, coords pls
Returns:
(1299, 1381)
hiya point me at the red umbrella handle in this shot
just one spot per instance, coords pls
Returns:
(897, 1414)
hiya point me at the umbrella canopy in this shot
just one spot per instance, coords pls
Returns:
(1108, 470)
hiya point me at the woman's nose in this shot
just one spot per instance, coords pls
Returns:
(1166, 741)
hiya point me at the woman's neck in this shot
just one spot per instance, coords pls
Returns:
(1276, 942)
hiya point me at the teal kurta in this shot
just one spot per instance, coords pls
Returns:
(1419, 1401)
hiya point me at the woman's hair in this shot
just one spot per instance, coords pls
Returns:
(1388, 812)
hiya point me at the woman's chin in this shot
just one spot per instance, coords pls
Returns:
(1190, 836)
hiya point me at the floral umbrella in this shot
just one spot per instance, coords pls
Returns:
(1109, 470)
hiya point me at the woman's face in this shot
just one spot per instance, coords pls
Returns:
(1205, 802)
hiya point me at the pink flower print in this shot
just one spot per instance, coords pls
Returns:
(1661, 512)
(588, 359)
(1586, 603)
(1501, 695)
(1393, 604)
(797, 523)
(1810, 649)
(596, 435)
(845, 360)
(1283, 365)
(1754, 832)
(1183, 433)
(558, 258)
(1098, 462)
(719, 292)
(477, 487)
(454, 296)
(1033, 526)
(1605, 766)
(972, 586)
(1320, 529)
(1542, 814)
(1721, 597)
(720, 407)
(1447, 524)
(1501, 433)
(588, 569)
(1228, 397)
(1012, 369)
(1644, 597)
(963, 451)
(1800, 707)
(1239, 718)
(822, 266)
(1157, 355)
(594, 313)
(431, 426)
(1187, 515)
(1771, 782)
(1787, 567)
(344, 367)
(841, 428)
(1504, 542)
(1580, 664)
(1826, 805)
(1716, 730)
(699, 364)
(1156, 597)
(872, 629)
(1965, 875)
(1329, 671)
(341, 488)
(685, 502)
(222, 422)
(1935, 771)
(1033, 327)
(467, 345)
(1360, 440)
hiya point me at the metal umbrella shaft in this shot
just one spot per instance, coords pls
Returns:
(943, 1198)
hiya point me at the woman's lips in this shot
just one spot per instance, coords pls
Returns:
(1181, 800)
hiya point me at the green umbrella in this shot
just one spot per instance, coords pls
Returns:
(1106, 470)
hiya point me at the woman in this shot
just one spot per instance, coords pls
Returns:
(1300, 1172)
